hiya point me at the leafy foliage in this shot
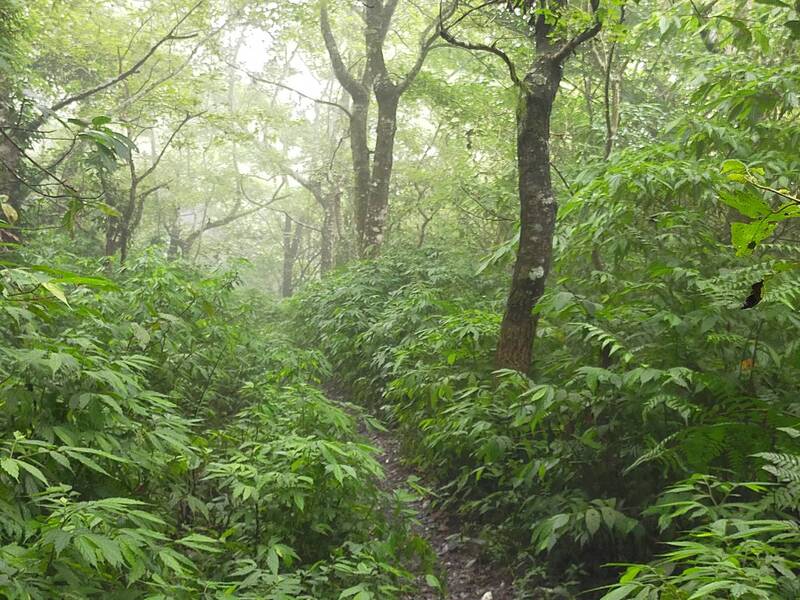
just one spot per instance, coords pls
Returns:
(155, 447)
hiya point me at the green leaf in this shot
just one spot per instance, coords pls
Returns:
(433, 581)
(630, 573)
(272, 561)
(108, 210)
(747, 202)
(351, 591)
(558, 521)
(593, 520)
(794, 28)
(9, 212)
(170, 559)
(733, 166)
(59, 538)
(109, 549)
(562, 299)
(141, 334)
(745, 237)
(621, 592)
(33, 470)
(55, 291)
(9, 465)
(201, 542)
(711, 587)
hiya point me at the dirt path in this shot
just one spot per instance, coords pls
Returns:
(463, 572)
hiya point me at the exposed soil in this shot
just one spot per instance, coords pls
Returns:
(466, 575)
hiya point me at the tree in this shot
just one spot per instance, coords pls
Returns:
(372, 174)
(537, 87)
(20, 123)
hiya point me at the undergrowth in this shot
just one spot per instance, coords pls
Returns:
(161, 438)
(639, 390)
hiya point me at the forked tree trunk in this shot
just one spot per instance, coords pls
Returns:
(537, 215)
(538, 208)
(372, 176)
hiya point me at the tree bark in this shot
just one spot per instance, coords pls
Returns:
(9, 170)
(329, 232)
(291, 248)
(378, 205)
(359, 152)
(537, 215)
(371, 178)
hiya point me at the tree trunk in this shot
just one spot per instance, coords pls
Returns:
(9, 165)
(174, 247)
(359, 151)
(291, 248)
(329, 233)
(537, 215)
(378, 206)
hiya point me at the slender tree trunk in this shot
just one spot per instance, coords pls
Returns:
(291, 249)
(326, 242)
(288, 262)
(537, 215)
(174, 244)
(339, 257)
(11, 148)
(329, 233)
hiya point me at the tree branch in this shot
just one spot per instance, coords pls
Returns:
(448, 37)
(429, 36)
(343, 75)
(171, 35)
(156, 162)
(32, 160)
(582, 37)
(255, 77)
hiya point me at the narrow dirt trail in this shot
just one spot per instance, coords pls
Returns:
(463, 571)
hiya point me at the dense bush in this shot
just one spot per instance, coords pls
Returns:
(163, 439)
(639, 387)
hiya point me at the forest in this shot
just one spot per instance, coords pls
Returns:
(400, 299)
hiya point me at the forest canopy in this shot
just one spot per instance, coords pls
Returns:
(399, 299)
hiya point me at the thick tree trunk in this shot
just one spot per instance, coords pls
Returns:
(10, 155)
(378, 206)
(359, 151)
(372, 185)
(9, 165)
(537, 215)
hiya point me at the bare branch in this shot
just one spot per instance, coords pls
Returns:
(156, 162)
(32, 160)
(146, 89)
(429, 36)
(512, 71)
(255, 77)
(171, 35)
(343, 75)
